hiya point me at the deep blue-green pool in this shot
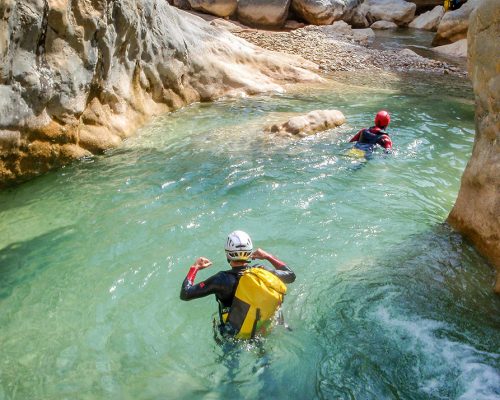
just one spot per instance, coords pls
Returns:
(389, 303)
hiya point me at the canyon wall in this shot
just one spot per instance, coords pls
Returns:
(476, 213)
(77, 78)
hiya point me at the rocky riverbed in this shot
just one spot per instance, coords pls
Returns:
(335, 51)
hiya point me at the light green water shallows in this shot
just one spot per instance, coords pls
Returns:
(389, 303)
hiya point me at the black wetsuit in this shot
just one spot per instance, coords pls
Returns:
(224, 283)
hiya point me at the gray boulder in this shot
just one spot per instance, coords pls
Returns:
(398, 11)
(428, 21)
(263, 13)
(319, 12)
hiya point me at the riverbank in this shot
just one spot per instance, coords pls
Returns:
(334, 51)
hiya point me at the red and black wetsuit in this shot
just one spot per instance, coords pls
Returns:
(368, 138)
(224, 283)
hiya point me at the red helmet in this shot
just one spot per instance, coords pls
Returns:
(382, 119)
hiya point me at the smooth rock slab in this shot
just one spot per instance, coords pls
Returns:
(428, 21)
(303, 125)
(457, 49)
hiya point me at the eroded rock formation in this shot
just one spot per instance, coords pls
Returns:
(476, 213)
(78, 77)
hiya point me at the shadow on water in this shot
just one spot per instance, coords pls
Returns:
(19, 261)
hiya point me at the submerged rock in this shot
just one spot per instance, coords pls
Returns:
(303, 125)
(77, 78)
(476, 213)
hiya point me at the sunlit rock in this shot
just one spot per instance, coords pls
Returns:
(428, 21)
(321, 12)
(398, 11)
(457, 49)
(303, 125)
(476, 213)
(454, 24)
(77, 78)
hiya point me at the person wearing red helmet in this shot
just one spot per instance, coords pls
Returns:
(366, 139)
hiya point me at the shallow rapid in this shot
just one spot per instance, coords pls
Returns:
(389, 303)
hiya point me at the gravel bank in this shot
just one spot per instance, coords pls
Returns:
(334, 52)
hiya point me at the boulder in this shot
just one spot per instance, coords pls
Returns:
(398, 11)
(77, 78)
(363, 36)
(319, 12)
(356, 17)
(383, 25)
(476, 213)
(454, 24)
(182, 4)
(220, 8)
(263, 13)
(457, 49)
(426, 5)
(308, 124)
(428, 21)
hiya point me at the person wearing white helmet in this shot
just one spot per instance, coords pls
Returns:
(239, 254)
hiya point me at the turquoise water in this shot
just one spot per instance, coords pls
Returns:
(389, 303)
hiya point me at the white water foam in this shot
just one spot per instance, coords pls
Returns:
(452, 362)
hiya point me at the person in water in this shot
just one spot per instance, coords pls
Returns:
(366, 139)
(239, 253)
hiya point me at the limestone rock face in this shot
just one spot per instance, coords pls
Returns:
(428, 21)
(263, 13)
(398, 11)
(454, 24)
(476, 213)
(220, 8)
(308, 124)
(78, 77)
(319, 12)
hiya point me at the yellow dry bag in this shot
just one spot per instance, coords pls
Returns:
(258, 296)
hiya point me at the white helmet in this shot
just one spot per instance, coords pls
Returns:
(238, 246)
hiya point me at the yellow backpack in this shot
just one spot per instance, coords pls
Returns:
(258, 295)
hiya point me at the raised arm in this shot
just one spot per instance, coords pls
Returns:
(282, 271)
